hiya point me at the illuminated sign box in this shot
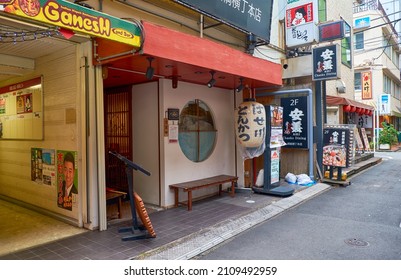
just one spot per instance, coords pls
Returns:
(331, 31)
(363, 22)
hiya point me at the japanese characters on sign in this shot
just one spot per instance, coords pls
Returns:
(366, 85)
(300, 22)
(325, 62)
(295, 128)
(253, 16)
(337, 146)
(251, 124)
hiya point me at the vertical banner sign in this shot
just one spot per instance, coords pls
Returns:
(67, 179)
(295, 122)
(366, 85)
(384, 104)
(300, 23)
(336, 147)
(326, 62)
(275, 166)
(276, 126)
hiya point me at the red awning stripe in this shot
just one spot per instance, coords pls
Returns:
(335, 100)
(160, 41)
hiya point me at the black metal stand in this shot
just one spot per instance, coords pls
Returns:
(129, 166)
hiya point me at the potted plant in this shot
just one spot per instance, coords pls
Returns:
(387, 136)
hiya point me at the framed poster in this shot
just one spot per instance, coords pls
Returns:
(21, 115)
(67, 179)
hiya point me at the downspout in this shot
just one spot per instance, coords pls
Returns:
(87, 129)
(309, 115)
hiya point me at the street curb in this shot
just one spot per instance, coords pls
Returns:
(190, 246)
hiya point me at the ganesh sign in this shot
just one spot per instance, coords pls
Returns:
(250, 124)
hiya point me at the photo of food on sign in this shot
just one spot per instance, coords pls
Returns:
(29, 7)
(334, 155)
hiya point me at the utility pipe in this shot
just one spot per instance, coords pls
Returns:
(308, 92)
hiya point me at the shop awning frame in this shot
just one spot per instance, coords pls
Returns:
(189, 58)
(336, 100)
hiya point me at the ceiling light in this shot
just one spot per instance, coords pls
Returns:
(150, 71)
(241, 85)
(212, 80)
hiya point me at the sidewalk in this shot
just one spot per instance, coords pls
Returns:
(180, 234)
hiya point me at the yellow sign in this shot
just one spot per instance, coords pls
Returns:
(366, 85)
(77, 18)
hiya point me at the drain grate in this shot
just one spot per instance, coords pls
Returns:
(356, 242)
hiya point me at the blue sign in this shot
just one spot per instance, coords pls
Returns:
(252, 16)
(362, 22)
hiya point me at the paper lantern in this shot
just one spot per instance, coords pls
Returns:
(353, 109)
(250, 119)
(346, 108)
(370, 113)
(362, 112)
(358, 110)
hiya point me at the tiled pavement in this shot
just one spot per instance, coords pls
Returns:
(169, 226)
(172, 226)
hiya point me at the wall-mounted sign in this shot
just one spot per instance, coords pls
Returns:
(362, 22)
(326, 62)
(300, 23)
(77, 18)
(331, 31)
(384, 104)
(252, 16)
(173, 114)
(366, 85)
(295, 126)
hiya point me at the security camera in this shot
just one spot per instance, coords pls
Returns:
(285, 66)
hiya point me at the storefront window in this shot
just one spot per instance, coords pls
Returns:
(197, 133)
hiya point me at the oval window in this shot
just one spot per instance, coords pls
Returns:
(197, 133)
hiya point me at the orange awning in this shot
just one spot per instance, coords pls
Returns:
(189, 58)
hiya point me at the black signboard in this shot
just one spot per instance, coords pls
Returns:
(295, 125)
(326, 62)
(337, 146)
(251, 16)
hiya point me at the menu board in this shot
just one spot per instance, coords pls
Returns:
(21, 115)
(337, 146)
(365, 139)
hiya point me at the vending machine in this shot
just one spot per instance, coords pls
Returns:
(271, 162)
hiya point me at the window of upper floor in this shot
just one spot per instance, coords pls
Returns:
(387, 48)
(359, 41)
(357, 81)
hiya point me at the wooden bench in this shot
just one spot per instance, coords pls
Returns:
(112, 196)
(202, 183)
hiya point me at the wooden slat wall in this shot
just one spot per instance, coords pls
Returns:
(118, 135)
